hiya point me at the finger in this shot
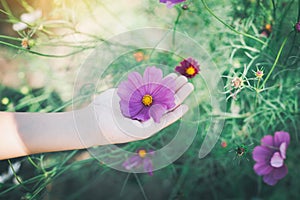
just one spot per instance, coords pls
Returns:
(174, 115)
(172, 75)
(180, 81)
(183, 93)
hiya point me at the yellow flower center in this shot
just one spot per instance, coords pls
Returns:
(190, 70)
(142, 153)
(259, 74)
(147, 100)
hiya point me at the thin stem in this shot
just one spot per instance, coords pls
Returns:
(175, 25)
(230, 27)
(10, 38)
(32, 162)
(14, 172)
(276, 60)
(274, 9)
(140, 185)
(257, 91)
(41, 54)
(290, 51)
(298, 10)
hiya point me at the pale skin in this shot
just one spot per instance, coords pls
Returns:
(100, 123)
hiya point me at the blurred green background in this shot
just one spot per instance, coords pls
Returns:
(240, 36)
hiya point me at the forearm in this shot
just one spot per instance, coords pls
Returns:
(29, 133)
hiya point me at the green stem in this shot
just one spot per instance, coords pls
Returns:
(274, 9)
(10, 38)
(257, 91)
(14, 172)
(230, 27)
(16, 176)
(175, 25)
(32, 162)
(40, 54)
(276, 61)
(68, 157)
(298, 10)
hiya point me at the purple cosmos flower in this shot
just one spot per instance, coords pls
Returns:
(147, 96)
(171, 3)
(270, 157)
(297, 27)
(140, 159)
(188, 67)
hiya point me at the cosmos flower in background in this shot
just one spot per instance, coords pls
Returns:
(27, 18)
(270, 156)
(259, 73)
(147, 96)
(267, 30)
(142, 158)
(171, 3)
(297, 27)
(188, 68)
(224, 144)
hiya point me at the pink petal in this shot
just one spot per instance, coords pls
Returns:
(125, 90)
(262, 154)
(262, 168)
(267, 141)
(169, 83)
(132, 162)
(136, 96)
(148, 166)
(152, 75)
(135, 79)
(169, 4)
(276, 160)
(281, 137)
(282, 149)
(124, 105)
(150, 88)
(156, 112)
(279, 173)
(269, 179)
(180, 69)
(135, 108)
(143, 115)
(164, 96)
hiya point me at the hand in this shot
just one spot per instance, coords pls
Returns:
(116, 128)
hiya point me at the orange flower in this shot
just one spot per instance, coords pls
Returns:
(140, 56)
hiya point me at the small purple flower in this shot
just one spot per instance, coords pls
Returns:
(171, 3)
(188, 67)
(297, 27)
(147, 96)
(140, 159)
(270, 157)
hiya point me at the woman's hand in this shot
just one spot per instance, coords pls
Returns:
(115, 128)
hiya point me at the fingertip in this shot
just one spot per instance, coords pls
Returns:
(172, 75)
(180, 81)
(185, 108)
(191, 86)
(184, 92)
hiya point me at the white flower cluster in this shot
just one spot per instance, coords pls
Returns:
(27, 19)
